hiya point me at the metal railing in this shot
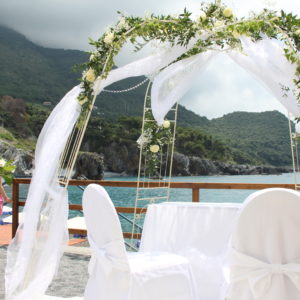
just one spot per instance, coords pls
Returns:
(195, 187)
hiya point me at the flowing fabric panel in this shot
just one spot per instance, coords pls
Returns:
(34, 253)
(174, 81)
(266, 61)
(147, 66)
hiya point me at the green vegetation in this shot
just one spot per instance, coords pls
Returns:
(31, 74)
(257, 138)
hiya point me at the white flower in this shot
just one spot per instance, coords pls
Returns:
(298, 32)
(84, 100)
(202, 16)
(2, 163)
(145, 138)
(147, 15)
(90, 75)
(93, 56)
(166, 124)
(219, 23)
(123, 24)
(235, 34)
(227, 12)
(109, 38)
(154, 148)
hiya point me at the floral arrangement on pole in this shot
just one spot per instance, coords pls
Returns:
(218, 22)
(7, 170)
(152, 141)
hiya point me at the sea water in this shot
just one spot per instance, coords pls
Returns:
(126, 196)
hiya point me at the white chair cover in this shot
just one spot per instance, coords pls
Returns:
(114, 275)
(265, 255)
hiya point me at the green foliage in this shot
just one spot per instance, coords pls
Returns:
(6, 170)
(257, 138)
(195, 142)
(35, 73)
(217, 23)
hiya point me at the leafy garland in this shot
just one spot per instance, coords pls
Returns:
(6, 170)
(218, 22)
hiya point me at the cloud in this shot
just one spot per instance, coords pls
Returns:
(223, 88)
(69, 23)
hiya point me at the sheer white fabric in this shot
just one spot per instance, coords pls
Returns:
(117, 275)
(147, 66)
(173, 82)
(264, 260)
(34, 253)
(264, 59)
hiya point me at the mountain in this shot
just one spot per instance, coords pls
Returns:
(259, 138)
(37, 74)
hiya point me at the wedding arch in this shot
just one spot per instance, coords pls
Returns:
(265, 44)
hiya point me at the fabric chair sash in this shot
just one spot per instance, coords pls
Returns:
(259, 273)
(105, 258)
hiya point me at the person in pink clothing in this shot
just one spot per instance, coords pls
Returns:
(3, 197)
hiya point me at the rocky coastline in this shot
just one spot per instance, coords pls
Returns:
(118, 161)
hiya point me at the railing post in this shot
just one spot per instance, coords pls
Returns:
(196, 195)
(15, 207)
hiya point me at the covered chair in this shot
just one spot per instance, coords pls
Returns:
(117, 275)
(265, 247)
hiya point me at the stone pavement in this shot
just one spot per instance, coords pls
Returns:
(72, 275)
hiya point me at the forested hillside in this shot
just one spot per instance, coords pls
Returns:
(259, 138)
(31, 75)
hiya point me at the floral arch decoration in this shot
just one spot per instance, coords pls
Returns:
(271, 43)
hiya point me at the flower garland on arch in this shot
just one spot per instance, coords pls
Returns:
(222, 27)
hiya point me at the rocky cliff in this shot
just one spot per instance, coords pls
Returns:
(124, 160)
(23, 160)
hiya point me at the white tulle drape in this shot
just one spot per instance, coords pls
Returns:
(174, 81)
(34, 253)
(264, 59)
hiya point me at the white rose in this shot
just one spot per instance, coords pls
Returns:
(202, 16)
(84, 100)
(93, 56)
(109, 38)
(2, 163)
(90, 75)
(154, 148)
(227, 12)
(166, 124)
(147, 15)
(219, 23)
(123, 24)
(235, 34)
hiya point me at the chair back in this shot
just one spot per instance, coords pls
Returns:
(103, 225)
(265, 252)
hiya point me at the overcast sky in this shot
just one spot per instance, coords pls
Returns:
(223, 88)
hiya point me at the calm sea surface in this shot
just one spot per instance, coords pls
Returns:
(126, 196)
